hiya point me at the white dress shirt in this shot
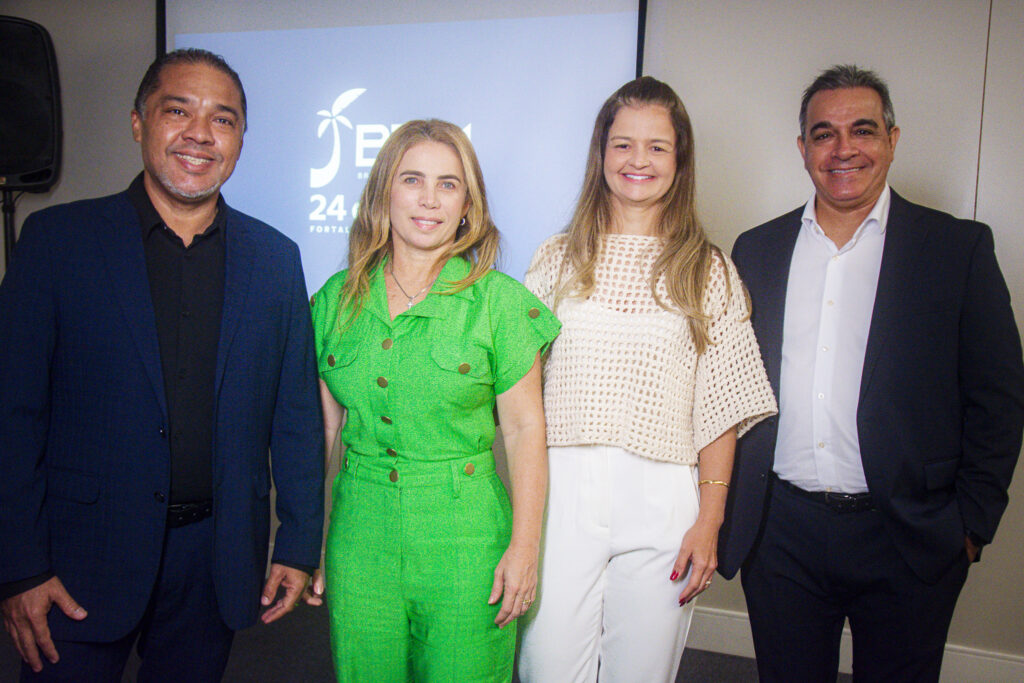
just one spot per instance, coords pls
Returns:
(829, 299)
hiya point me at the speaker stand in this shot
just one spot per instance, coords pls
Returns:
(8, 227)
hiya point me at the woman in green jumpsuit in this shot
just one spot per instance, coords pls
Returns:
(427, 567)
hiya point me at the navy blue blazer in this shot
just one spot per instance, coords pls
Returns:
(942, 391)
(85, 466)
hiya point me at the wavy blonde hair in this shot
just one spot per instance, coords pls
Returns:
(369, 240)
(686, 256)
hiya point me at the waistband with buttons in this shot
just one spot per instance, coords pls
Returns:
(386, 471)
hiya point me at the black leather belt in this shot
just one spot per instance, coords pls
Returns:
(181, 514)
(839, 502)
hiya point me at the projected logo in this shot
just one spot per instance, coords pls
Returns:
(329, 214)
(318, 177)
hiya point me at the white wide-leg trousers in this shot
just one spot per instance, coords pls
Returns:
(614, 524)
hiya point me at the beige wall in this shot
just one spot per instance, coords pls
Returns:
(740, 66)
(991, 609)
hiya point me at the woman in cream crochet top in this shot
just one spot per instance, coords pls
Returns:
(654, 376)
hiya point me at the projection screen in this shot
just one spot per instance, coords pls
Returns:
(327, 82)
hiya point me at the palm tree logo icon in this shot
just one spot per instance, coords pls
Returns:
(318, 177)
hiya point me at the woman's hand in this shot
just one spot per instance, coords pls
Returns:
(515, 583)
(521, 413)
(699, 551)
(314, 592)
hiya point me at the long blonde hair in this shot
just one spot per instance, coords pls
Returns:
(686, 256)
(369, 239)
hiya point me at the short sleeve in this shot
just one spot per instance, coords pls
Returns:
(521, 326)
(317, 310)
(324, 309)
(542, 275)
(732, 387)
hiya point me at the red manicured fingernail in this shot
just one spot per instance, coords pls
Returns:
(682, 602)
(675, 575)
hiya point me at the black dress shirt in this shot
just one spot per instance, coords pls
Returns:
(187, 287)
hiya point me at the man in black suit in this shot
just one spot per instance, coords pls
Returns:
(887, 334)
(155, 347)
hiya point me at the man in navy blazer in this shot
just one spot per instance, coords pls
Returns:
(155, 346)
(887, 334)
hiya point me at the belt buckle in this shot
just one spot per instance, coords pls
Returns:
(846, 502)
(183, 514)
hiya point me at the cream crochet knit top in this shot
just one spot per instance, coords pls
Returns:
(624, 371)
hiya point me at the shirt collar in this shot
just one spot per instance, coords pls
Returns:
(149, 218)
(455, 269)
(875, 222)
(433, 305)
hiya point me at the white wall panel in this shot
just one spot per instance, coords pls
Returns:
(991, 611)
(741, 67)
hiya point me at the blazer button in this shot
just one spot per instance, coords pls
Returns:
(385, 419)
(163, 433)
(393, 476)
(381, 382)
(387, 344)
(469, 468)
(533, 313)
(464, 368)
(392, 452)
(330, 359)
(159, 497)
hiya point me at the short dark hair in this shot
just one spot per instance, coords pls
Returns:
(848, 76)
(190, 55)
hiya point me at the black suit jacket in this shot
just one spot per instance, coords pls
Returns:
(942, 391)
(85, 462)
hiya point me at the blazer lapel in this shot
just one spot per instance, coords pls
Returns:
(121, 243)
(903, 240)
(240, 254)
(770, 310)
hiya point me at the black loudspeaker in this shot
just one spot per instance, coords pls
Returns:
(30, 125)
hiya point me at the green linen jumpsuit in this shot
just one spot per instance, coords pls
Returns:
(420, 519)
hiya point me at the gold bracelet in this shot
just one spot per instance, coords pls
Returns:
(713, 481)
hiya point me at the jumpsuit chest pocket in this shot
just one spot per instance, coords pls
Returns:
(463, 372)
(465, 361)
(334, 357)
(335, 367)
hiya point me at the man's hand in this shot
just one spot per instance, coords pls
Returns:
(25, 619)
(293, 581)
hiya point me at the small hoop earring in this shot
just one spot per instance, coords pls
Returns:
(462, 223)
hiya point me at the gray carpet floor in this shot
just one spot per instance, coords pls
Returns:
(295, 650)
